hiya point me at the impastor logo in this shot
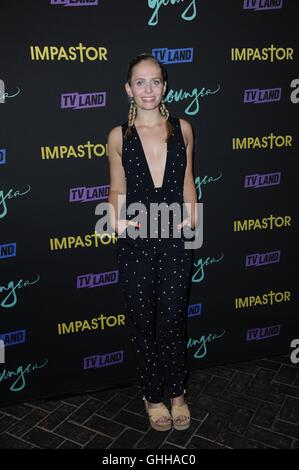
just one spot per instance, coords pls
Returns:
(195, 95)
(174, 56)
(13, 338)
(266, 223)
(262, 96)
(268, 142)
(72, 53)
(8, 250)
(260, 259)
(100, 323)
(83, 100)
(188, 14)
(194, 310)
(262, 180)
(269, 298)
(262, 4)
(97, 280)
(256, 334)
(103, 360)
(92, 240)
(85, 194)
(9, 195)
(201, 344)
(75, 3)
(87, 150)
(2, 156)
(270, 53)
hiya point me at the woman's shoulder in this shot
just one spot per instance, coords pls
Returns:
(185, 124)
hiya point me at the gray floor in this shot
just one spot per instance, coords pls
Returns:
(243, 405)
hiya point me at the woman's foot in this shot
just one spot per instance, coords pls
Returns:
(159, 416)
(180, 413)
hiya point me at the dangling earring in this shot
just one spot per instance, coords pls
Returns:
(132, 112)
(163, 110)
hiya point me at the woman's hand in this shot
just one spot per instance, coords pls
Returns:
(187, 222)
(122, 225)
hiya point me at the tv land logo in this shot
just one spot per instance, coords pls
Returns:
(2, 156)
(10, 339)
(85, 194)
(97, 280)
(257, 334)
(174, 56)
(194, 310)
(83, 100)
(262, 180)
(295, 92)
(259, 5)
(103, 360)
(262, 259)
(75, 3)
(8, 250)
(262, 96)
(188, 14)
(4, 95)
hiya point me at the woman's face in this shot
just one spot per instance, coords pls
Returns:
(147, 86)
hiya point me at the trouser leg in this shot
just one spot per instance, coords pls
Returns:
(137, 272)
(173, 287)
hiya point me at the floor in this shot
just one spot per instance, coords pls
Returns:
(242, 405)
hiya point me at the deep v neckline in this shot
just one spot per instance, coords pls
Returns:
(147, 164)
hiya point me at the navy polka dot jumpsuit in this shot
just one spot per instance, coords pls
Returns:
(155, 273)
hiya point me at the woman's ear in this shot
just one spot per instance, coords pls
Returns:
(128, 89)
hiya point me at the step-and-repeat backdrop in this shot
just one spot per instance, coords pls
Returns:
(233, 74)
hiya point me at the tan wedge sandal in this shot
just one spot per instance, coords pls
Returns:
(178, 412)
(154, 413)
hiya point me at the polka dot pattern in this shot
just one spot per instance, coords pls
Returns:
(155, 275)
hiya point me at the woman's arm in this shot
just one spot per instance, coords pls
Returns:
(189, 194)
(118, 185)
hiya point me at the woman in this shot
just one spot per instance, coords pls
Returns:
(150, 161)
